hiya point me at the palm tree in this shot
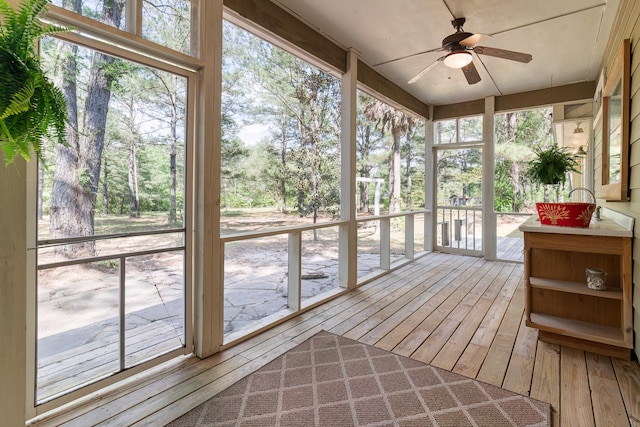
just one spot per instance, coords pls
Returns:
(398, 124)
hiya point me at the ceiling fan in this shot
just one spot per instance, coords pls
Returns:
(460, 45)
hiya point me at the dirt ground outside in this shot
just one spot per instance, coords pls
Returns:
(85, 297)
(255, 269)
(79, 304)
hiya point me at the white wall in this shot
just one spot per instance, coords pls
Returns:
(13, 294)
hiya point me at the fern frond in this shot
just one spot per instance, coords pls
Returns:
(32, 109)
(20, 101)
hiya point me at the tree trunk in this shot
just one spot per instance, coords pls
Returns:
(64, 209)
(172, 157)
(408, 175)
(77, 172)
(40, 189)
(95, 119)
(394, 171)
(300, 201)
(133, 190)
(226, 195)
(514, 171)
(515, 182)
(283, 163)
(105, 190)
(365, 171)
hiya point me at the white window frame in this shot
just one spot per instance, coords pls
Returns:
(181, 68)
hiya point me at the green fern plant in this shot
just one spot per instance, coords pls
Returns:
(32, 109)
(551, 165)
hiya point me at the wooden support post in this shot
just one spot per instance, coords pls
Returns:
(348, 233)
(385, 243)
(294, 270)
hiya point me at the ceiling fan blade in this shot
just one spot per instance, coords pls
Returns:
(502, 53)
(474, 39)
(389, 61)
(471, 73)
(426, 70)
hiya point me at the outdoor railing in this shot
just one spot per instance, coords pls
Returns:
(81, 338)
(389, 245)
(459, 228)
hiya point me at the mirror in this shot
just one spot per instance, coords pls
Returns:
(615, 128)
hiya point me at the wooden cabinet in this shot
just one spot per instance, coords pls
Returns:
(558, 301)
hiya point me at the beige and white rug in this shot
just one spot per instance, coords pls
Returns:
(333, 381)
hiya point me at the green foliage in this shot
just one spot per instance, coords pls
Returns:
(504, 194)
(517, 134)
(460, 175)
(32, 109)
(551, 165)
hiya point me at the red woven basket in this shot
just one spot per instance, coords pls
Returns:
(567, 214)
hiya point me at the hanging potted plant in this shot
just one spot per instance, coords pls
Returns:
(550, 168)
(32, 109)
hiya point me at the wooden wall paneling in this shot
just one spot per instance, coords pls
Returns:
(636, 279)
(553, 95)
(634, 157)
(519, 101)
(597, 153)
(622, 28)
(469, 108)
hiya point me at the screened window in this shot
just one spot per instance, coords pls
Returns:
(168, 23)
(110, 12)
(390, 158)
(464, 129)
(280, 137)
(165, 22)
(111, 249)
(280, 167)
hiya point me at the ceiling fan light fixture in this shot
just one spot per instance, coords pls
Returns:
(458, 59)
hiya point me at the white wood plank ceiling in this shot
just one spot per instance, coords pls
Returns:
(398, 37)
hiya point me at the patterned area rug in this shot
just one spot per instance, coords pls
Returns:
(333, 381)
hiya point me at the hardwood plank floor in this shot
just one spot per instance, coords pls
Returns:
(461, 313)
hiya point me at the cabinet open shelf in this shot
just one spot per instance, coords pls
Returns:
(558, 301)
(577, 329)
(574, 288)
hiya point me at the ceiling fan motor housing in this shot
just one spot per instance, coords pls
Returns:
(452, 42)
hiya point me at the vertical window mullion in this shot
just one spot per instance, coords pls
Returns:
(122, 312)
(133, 16)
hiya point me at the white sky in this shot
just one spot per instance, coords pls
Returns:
(252, 134)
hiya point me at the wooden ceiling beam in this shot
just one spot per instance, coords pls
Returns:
(583, 91)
